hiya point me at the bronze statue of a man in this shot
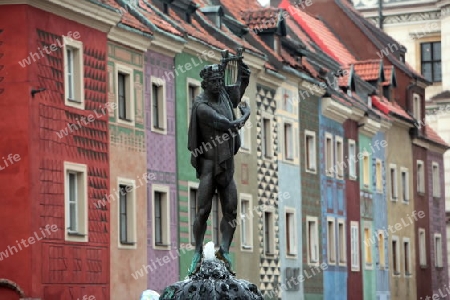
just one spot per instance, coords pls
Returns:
(213, 141)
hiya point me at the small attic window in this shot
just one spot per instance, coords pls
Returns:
(369, 101)
(188, 18)
(166, 8)
(402, 58)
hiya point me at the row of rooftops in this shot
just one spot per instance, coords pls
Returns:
(285, 37)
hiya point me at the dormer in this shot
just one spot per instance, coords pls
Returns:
(214, 14)
(390, 83)
(183, 8)
(236, 27)
(346, 80)
(371, 71)
(268, 23)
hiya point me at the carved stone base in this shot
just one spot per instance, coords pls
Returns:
(212, 282)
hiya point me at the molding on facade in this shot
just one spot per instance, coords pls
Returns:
(83, 12)
(385, 125)
(312, 88)
(166, 46)
(335, 111)
(369, 127)
(196, 48)
(357, 114)
(429, 146)
(130, 39)
(254, 61)
(270, 80)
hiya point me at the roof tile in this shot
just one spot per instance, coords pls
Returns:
(157, 20)
(368, 69)
(433, 136)
(127, 18)
(262, 18)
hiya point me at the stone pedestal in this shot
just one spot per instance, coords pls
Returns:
(212, 282)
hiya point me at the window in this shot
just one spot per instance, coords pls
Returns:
(159, 118)
(73, 73)
(216, 213)
(291, 234)
(420, 177)
(405, 185)
(127, 213)
(422, 248)
(342, 242)
(76, 205)
(246, 222)
(266, 138)
(352, 159)
(161, 216)
(331, 240)
(245, 132)
(312, 240)
(379, 176)
(368, 247)
(366, 170)
(329, 168)
(431, 61)
(354, 242)
(438, 250)
(435, 178)
(339, 157)
(310, 151)
(269, 244)
(395, 256)
(407, 254)
(288, 142)
(417, 108)
(382, 258)
(192, 211)
(125, 94)
(193, 90)
(393, 178)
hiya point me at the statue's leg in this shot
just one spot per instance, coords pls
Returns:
(228, 201)
(205, 194)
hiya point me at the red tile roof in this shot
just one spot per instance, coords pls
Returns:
(344, 80)
(387, 107)
(299, 33)
(433, 136)
(368, 69)
(127, 18)
(157, 20)
(320, 34)
(262, 18)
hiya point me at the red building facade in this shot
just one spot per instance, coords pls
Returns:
(55, 242)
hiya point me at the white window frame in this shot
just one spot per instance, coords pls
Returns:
(162, 106)
(247, 220)
(329, 155)
(379, 176)
(393, 182)
(165, 213)
(312, 242)
(331, 241)
(339, 157)
(405, 189)
(420, 176)
(354, 246)
(438, 258)
(129, 89)
(366, 170)
(352, 170)
(267, 137)
(293, 232)
(422, 247)
(198, 85)
(313, 156)
(368, 249)
(435, 180)
(381, 250)
(342, 242)
(191, 219)
(407, 256)
(77, 77)
(246, 133)
(398, 256)
(131, 206)
(417, 108)
(81, 234)
(286, 149)
(271, 230)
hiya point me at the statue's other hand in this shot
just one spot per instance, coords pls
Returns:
(244, 108)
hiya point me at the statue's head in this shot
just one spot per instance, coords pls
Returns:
(213, 77)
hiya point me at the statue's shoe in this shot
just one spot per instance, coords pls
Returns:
(225, 257)
(195, 264)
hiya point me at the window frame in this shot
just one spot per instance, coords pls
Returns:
(266, 139)
(248, 221)
(331, 241)
(417, 108)
(77, 79)
(368, 251)
(313, 158)
(129, 93)
(270, 232)
(381, 250)
(131, 243)
(329, 155)
(339, 157)
(246, 133)
(291, 234)
(354, 243)
(342, 242)
(291, 142)
(438, 253)
(395, 250)
(162, 105)
(407, 257)
(379, 176)
(194, 83)
(165, 216)
(314, 241)
(393, 183)
(420, 177)
(82, 233)
(432, 60)
(352, 169)
(405, 189)
(366, 170)
(422, 247)
(436, 179)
